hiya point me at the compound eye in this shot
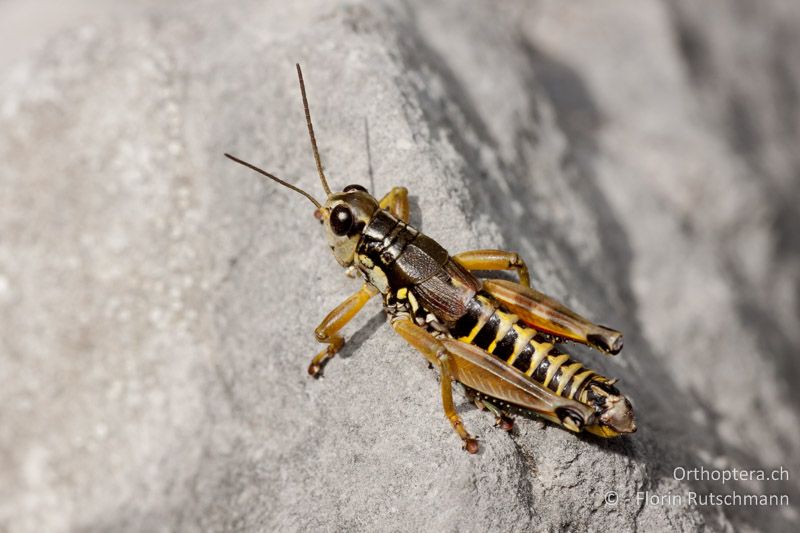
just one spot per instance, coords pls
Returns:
(354, 188)
(341, 220)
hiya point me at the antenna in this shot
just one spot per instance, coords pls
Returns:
(270, 176)
(369, 157)
(311, 132)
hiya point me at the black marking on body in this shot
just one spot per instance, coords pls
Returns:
(477, 309)
(553, 385)
(395, 242)
(505, 346)
(541, 371)
(386, 237)
(486, 335)
(407, 257)
(567, 392)
(464, 325)
(599, 400)
(380, 226)
(523, 360)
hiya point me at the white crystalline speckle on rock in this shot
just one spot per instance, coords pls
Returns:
(157, 302)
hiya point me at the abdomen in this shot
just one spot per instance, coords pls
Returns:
(488, 326)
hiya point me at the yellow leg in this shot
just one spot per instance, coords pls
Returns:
(495, 260)
(396, 201)
(436, 353)
(327, 331)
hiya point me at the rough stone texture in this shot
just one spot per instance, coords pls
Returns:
(157, 301)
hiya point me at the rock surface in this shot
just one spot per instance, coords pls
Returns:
(157, 302)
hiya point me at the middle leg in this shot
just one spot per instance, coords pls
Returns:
(495, 260)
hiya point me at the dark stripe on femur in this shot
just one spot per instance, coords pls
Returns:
(523, 360)
(468, 320)
(505, 347)
(486, 335)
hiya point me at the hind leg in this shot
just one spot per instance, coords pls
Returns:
(436, 353)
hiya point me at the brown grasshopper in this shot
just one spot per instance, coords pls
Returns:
(501, 340)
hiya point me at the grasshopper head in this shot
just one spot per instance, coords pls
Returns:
(344, 216)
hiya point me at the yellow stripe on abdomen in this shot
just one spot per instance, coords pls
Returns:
(500, 333)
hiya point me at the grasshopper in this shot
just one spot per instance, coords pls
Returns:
(502, 340)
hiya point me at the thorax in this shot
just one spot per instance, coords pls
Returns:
(393, 255)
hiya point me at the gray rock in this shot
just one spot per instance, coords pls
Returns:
(157, 302)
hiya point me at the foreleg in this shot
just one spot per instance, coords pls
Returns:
(327, 331)
(396, 201)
